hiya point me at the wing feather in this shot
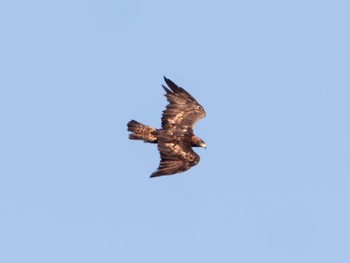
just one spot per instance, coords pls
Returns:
(183, 110)
(176, 157)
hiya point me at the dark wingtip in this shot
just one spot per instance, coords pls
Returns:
(172, 85)
(166, 79)
(153, 175)
(166, 89)
(176, 89)
(156, 174)
(167, 82)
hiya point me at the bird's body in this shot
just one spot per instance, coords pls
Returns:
(176, 138)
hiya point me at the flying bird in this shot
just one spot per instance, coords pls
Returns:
(176, 138)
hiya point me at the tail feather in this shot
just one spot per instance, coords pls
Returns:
(143, 132)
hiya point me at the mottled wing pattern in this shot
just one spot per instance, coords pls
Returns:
(183, 110)
(176, 157)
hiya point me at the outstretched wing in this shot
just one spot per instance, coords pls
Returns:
(176, 157)
(183, 111)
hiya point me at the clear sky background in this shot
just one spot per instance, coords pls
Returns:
(273, 184)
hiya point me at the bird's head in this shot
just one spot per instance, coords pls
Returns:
(198, 142)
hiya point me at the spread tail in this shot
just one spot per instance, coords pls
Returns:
(143, 132)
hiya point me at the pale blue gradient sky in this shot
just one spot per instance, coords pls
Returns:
(273, 184)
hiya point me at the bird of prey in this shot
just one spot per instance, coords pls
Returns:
(176, 138)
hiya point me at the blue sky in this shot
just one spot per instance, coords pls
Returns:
(273, 184)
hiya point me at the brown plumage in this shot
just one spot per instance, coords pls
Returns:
(176, 138)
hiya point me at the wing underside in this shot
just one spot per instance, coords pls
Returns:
(183, 110)
(175, 158)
